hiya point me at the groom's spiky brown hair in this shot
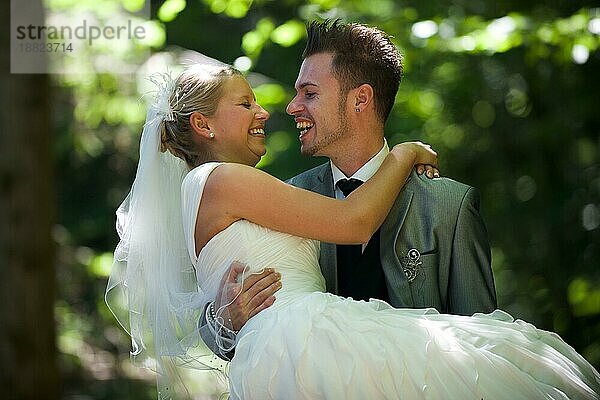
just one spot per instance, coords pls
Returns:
(361, 54)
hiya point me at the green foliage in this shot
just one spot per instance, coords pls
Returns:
(231, 8)
(504, 92)
(254, 41)
(584, 299)
(169, 10)
(288, 33)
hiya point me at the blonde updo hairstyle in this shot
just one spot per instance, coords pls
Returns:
(198, 89)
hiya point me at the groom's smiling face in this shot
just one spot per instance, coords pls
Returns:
(318, 107)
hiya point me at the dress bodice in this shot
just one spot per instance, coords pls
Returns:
(295, 258)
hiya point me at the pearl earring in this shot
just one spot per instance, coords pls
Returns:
(357, 109)
(211, 135)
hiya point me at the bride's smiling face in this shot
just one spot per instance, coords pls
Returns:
(238, 124)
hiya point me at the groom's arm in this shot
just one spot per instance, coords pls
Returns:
(208, 334)
(240, 301)
(471, 282)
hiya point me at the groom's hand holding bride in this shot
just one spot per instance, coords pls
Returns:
(245, 296)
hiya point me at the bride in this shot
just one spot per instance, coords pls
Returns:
(202, 138)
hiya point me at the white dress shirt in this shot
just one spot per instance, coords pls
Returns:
(364, 173)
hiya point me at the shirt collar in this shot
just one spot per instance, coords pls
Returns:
(365, 172)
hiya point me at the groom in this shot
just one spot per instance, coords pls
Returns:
(432, 250)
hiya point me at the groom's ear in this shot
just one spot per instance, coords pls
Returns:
(363, 96)
(199, 125)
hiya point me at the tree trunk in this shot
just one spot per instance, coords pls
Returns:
(28, 368)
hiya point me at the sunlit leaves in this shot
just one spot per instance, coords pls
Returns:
(424, 29)
(425, 103)
(584, 297)
(325, 4)
(238, 8)
(285, 35)
(452, 135)
(288, 33)
(133, 5)
(269, 94)
(573, 35)
(243, 63)
(231, 8)
(517, 103)
(278, 143)
(254, 41)
(112, 109)
(101, 265)
(155, 35)
(169, 10)
(594, 25)
(376, 8)
(446, 72)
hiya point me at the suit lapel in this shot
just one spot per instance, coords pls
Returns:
(328, 258)
(321, 181)
(398, 286)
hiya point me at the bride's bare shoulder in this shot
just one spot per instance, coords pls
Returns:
(228, 177)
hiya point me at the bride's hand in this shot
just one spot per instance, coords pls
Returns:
(425, 158)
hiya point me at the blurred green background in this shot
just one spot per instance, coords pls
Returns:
(506, 92)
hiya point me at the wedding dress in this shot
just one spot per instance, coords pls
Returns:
(314, 345)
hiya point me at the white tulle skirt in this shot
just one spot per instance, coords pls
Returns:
(322, 346)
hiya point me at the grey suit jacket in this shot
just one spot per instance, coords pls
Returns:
(440, 218)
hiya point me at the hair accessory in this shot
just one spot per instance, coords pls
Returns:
(166, 88)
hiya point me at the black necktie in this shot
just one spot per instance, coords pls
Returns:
(360, 274)
(348, 185)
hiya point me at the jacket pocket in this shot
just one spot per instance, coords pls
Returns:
(425, 285)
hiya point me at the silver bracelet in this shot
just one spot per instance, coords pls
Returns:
(212, 315)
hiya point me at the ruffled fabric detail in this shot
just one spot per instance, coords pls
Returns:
(326, 347)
